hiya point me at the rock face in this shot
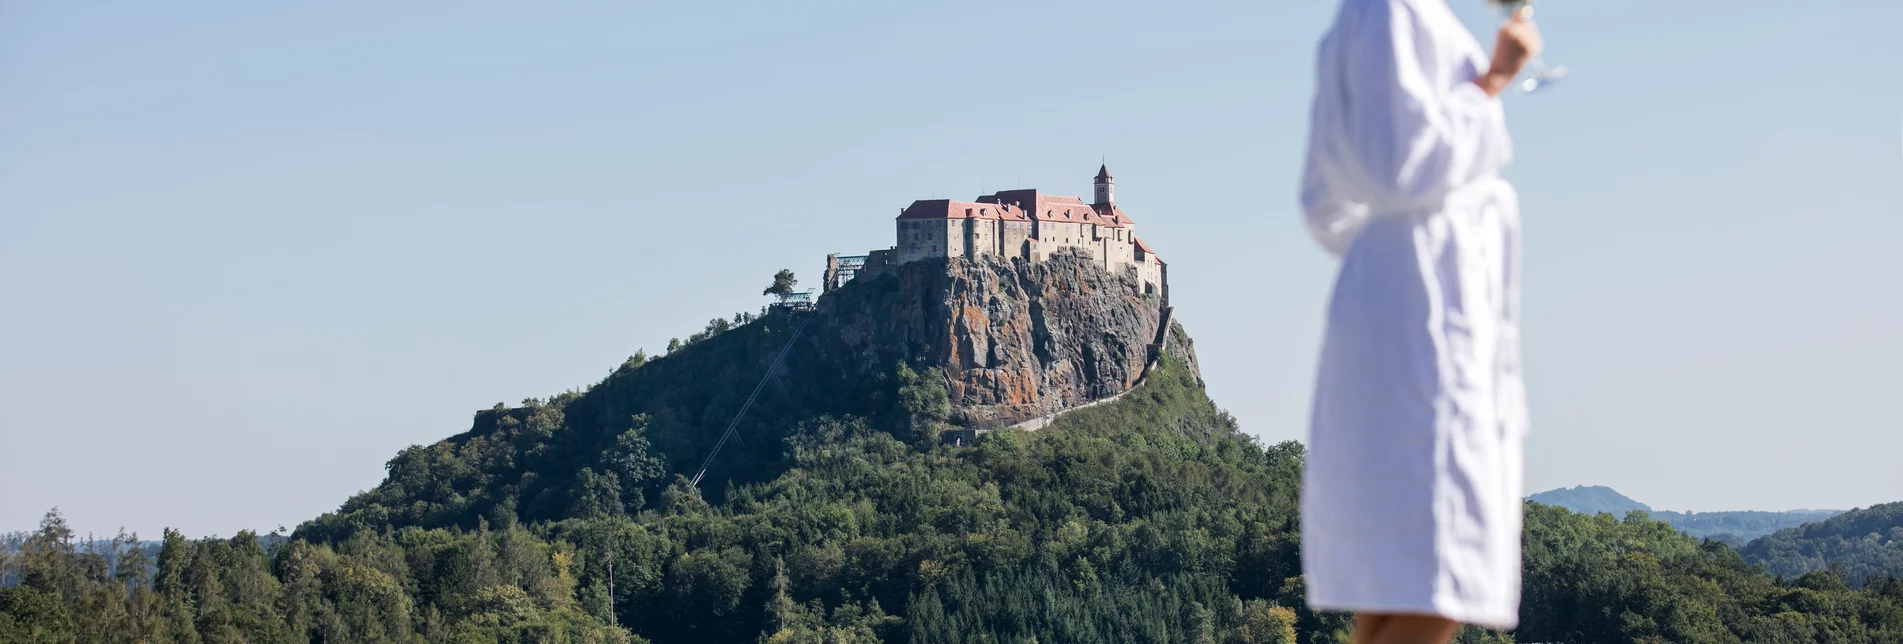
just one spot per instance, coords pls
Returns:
(1013, 339)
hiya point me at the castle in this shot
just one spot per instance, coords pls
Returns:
(1027, 224)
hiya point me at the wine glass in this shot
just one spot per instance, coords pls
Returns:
(1537, 75)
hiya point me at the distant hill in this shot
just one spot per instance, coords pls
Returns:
(1733, 528)
(1590, 499)
(1865, 544)
(1738, 528)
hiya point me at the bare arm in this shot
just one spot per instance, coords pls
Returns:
(1519, 42)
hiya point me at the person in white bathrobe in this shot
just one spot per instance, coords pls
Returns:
(1411, 498)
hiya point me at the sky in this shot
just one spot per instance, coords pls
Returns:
(249, 251)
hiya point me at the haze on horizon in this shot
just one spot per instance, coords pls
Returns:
(249, 252)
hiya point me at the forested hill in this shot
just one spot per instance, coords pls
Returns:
(925, 347)
(840, 517)
(1151, 519)
(1734, 528)
(1858, 545)
(1590, 499)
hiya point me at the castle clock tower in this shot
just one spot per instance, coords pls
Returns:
(1104, 196)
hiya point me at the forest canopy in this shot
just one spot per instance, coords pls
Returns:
(1859, 546)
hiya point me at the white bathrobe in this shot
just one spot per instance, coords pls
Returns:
(1411, 499)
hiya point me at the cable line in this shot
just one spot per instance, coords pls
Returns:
(732, 426)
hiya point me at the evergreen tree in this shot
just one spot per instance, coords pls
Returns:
(48, 561)
(783, 283)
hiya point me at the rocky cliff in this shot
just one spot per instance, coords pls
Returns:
(1014, 340)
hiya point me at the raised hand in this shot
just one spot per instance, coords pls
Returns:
(1519, 42)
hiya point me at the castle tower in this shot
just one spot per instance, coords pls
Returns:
(1104, 196)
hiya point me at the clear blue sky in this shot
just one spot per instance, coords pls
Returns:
(250, 250)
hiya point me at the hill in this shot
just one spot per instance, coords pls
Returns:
(1736, 528)
(1733, 528)
(1592, 499)
(841, 516)
(1859, 545)
(927, 347)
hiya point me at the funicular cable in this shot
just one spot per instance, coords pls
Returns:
(735, 425)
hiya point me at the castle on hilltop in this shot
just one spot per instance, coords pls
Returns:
(1012, 224)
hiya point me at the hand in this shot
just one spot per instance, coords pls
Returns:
(1519, 42)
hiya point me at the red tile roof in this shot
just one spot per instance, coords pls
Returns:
(1022, 205)
(1043, 207)
(1146, 250)
(1114, 216)
(949, 209)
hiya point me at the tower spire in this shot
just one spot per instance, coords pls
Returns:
(1105, 193)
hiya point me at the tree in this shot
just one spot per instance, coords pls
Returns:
(1265, 623)
(630, 462)
(28, 615)
(783, 283)
(633, 362)
(595, 495)
(132, 560)
(923, 398)
(47, 559)
(707, 584)
(7, 562)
